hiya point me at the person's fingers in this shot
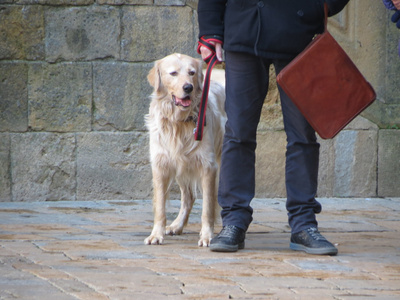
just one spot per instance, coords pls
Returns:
(205, 52)
(218, 50)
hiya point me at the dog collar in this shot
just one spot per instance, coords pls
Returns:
(191, 119)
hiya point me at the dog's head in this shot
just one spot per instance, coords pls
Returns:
(177, 78)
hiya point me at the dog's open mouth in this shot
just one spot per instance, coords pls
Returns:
(185, 102)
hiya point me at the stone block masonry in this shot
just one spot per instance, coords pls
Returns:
(74, 92)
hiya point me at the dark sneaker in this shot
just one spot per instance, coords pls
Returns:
(230, 239)
(312, 242)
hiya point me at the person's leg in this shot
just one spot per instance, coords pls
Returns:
(301, 178)
(246, 88)
(302, 160)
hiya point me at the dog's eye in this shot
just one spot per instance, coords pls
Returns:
(191, 73)
(174, 73)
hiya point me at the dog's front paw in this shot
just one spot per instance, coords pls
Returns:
(173, 230)
(204, 242)
(154, 240)
(206, 236)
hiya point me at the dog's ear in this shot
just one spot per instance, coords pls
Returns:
(154, 76)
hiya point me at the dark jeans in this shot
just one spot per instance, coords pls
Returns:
(247, 78)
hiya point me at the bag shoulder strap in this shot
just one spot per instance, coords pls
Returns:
(326, 11)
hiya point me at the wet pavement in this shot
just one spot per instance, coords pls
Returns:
(95, 250)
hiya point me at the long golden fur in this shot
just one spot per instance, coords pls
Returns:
(178, 81)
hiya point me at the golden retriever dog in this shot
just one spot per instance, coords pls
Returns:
(174, 153)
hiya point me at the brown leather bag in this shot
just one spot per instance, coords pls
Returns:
(325, 85)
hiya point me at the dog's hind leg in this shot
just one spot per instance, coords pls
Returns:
(187, 200)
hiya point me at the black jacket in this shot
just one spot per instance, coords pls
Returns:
(268, 28)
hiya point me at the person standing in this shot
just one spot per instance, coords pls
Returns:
(254, 35)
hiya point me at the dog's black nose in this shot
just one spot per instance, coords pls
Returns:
(188, 88)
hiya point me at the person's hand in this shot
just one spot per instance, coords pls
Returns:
(396, 18)
(396, 3)
(205, 52)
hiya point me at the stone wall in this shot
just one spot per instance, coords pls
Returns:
(73, 93)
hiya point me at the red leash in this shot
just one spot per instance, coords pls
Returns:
(211, 62)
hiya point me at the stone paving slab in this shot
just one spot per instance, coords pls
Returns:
(95, 250)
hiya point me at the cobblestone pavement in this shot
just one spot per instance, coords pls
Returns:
(95, 250)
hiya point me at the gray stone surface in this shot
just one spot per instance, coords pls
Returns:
(44, 167)
(121, 96)
(13, 96)
(393, 67)
(270, 164)
(348, 164)
(130, 2)
(271, 114)
(380, 66)
(170, 2)
(386, 116)
(389, 162)
(113, 165)
(326, 172)
(355, 164)
(364, 168)
(5, 167)
(21, 32)
(152, 32)
(55, 2)
(82, 33)
(60, 97)
(361, 123)
(94, 250)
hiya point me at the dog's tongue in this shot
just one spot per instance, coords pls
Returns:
(185, 102)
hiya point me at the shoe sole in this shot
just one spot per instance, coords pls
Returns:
(226, 248)
(317, 251)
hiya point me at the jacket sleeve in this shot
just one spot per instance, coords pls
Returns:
(336, 6)
(211, 17)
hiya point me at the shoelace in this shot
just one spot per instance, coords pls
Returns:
(228, 230)
(315, 234)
